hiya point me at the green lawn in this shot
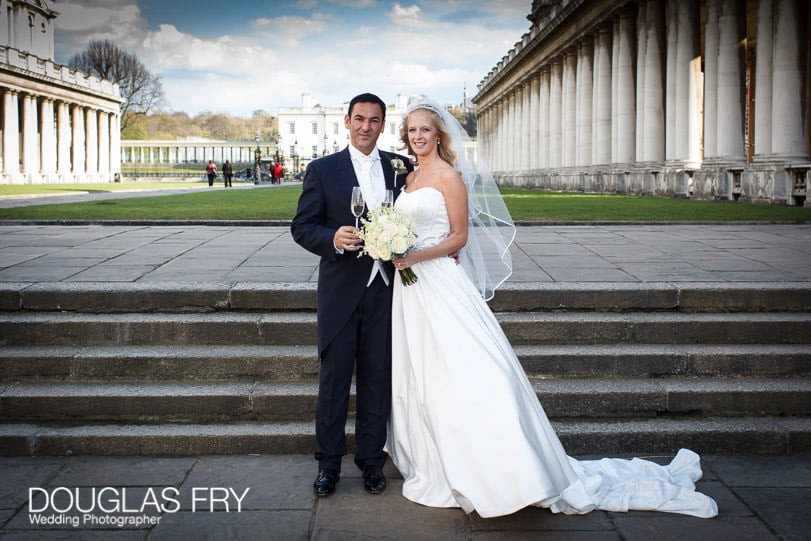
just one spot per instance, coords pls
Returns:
(36, 189)
(279, 203)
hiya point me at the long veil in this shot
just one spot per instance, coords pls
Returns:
(486, 256)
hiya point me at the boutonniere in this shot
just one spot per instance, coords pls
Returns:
(398, 167)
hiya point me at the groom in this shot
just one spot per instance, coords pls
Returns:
(354, 297)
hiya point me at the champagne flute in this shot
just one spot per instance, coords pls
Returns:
(388, 199)
(357, 205)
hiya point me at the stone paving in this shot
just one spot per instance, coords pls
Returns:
(759, 498)
(542, 253)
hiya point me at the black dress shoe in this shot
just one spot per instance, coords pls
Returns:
(325, 482)
(373, 480)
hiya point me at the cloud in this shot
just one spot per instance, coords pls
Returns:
(406, 16)
(288, 30)
(81, 21)
(169, 49)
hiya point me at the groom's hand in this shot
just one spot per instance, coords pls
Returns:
(346, 239)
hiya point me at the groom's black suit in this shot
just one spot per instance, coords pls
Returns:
(353, 319)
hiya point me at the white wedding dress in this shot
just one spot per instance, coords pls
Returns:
(466, 428)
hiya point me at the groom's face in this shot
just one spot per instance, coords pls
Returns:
(365, 124)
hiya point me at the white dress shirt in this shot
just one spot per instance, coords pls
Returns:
(369, 172)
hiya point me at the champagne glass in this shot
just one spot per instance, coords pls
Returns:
(357, 204)
(388, 199)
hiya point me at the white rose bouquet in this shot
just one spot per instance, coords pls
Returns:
(387, 233)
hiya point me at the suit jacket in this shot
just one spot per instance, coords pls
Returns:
(324, 206)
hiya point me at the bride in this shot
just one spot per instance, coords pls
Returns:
(466, 428)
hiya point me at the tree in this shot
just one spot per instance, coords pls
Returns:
(142, 91)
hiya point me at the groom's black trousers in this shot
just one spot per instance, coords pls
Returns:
(363, 345)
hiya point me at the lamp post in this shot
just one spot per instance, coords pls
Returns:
(334, 147)
(295, 158)
(325, 151)
(257, 160)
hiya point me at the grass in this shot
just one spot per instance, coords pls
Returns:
(279, 203)
(95, 187)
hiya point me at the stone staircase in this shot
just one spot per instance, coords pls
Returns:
(211, 368)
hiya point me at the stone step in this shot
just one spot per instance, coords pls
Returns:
(109, 297)
(715, 435)
(235, 401)
(298, 328)
(294, 363)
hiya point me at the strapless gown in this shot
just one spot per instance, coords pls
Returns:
(466, 428)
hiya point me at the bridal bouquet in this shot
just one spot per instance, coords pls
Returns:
(388, 233)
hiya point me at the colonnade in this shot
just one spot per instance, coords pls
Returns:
(49, 139)
(135, 152)
(634, 104)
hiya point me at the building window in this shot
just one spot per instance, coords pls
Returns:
(315, 128)
(292, 150)
(315, 151)
(392, 128)
(335, 128)
(292, 128)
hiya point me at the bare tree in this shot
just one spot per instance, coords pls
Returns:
(142, 91)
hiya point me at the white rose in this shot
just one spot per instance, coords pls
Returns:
(385, 253)
(402, 230)
(384, 236)
(372, 251)
(399, 245)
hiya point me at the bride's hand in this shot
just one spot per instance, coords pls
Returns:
(405, 262)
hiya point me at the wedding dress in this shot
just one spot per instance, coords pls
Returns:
(466, 428)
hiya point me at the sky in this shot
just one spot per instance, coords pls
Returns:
(240, 56)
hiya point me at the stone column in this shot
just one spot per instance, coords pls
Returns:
(47, 140)
(730, 107)
(63, 141)
(511, 131)
(641, 46)
(585, 84)
(30, 149)
(556, 114)
(534, 119)
(788, 138)
(104, 146)
(691, 93)
(79, 154)
(518, 127)
(601, 116)
(11, 136)
(544, 119)
(671, 82)
(763, 79)
(653, 100)
(623, 97)
(569, 108)
(115, 143)
(92, 143)
(526, 125)
(711, 79)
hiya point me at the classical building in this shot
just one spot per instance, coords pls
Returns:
(312, 130)
(685, 98)
(58, 125)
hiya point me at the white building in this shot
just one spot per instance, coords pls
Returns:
(58, 125)
(312, 130)
(684, 98)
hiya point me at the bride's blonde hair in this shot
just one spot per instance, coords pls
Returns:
(445, 149)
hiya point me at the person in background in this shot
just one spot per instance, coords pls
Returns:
(227, 173)
(211, 172)
(277, 173)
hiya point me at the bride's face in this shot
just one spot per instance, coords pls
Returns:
(422, 134)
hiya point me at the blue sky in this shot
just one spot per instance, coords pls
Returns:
(242, 55)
